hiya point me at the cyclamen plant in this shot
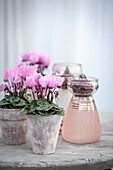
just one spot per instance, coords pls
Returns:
(15, 89)
(41, 60)
(44, 90)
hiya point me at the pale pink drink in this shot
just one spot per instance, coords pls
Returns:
(81, 122)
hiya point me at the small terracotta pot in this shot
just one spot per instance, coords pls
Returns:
(44, 132)
(14, 126)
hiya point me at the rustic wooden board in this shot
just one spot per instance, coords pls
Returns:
(96, 156)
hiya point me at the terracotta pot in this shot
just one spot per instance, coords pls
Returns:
(44, 132)
(14, 126)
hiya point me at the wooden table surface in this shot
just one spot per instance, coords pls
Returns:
(96, 156)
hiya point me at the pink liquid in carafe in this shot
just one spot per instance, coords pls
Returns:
(81, 123)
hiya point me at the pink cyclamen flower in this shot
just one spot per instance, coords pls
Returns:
(30, 82)
(60, 81)
(19, 63)
(52, 81)
(43, 81)
(41, 58)
(2, 87)
(23, 71)
(6, 75)
(14, 76)
(25, 56)
(47, 60)
(37, 76)
(31, 70)
(43, 92)
(34, 58)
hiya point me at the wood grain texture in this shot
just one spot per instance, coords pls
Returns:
(96, 156)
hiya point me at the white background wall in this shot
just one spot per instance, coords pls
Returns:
(70, 30)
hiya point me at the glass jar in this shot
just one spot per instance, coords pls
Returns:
(81, 122)
(66, 70)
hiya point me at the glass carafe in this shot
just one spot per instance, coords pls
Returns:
(81, 122)
(66, 70)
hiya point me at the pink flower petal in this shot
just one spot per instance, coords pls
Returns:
(34, 58)
(52, 81)
(37, 76)
(6, 75)
(19, 63)
(2, 87)
(43, 81)
(31, 70)
(60, 81)
(30, 82)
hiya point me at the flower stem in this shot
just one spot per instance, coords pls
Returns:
(37, 92)
(15, 90)
(33, 94)
(48, 95)
(8, 90)
(46, 91)
(51, 97)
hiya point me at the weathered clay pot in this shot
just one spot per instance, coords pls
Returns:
(44, 132)
(14, 126)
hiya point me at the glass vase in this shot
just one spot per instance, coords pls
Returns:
(65, 70)
(81, 122)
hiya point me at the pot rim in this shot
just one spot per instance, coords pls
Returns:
(10, 109)
(31, 115)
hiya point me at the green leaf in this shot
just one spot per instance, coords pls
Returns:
(5, 107)
(25, 110)
(50, 112)
(35, 112)
(55, 105)
(20, 103)
(14, 99)
(28, 97)
(30, 108)
(61, 112)
(4, 102)
(33, 106)
(11, 107)
(7, 97)
(42, 108)
(43, 105)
